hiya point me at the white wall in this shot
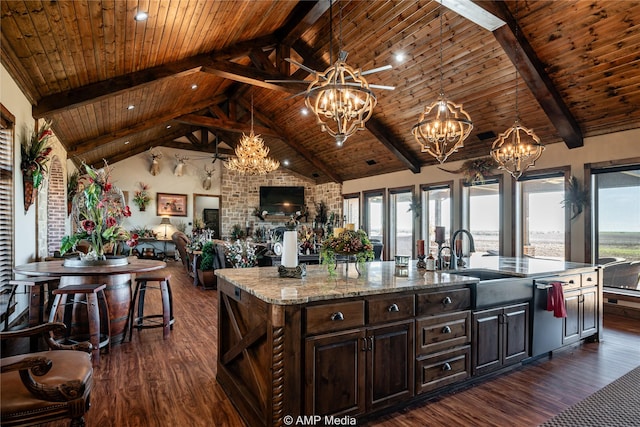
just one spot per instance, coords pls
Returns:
(127, 175)
(620, 145)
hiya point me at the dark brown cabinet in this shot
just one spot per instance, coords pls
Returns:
(334, 373)
(500, 337)
(350, 372)
(582, 314)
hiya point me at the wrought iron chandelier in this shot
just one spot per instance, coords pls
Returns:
(340, 97)
(517, 148)
(252, 155)
(444, 125)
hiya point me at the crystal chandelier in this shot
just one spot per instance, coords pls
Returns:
(252, 155)
(340, 97)
(517, 148)
(444, 125)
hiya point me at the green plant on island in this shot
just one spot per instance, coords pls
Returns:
(349, 243)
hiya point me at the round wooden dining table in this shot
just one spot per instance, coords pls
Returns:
(118, 279)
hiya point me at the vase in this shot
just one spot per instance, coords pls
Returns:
(142, 208)
(29, 190)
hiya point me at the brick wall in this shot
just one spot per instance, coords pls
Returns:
(56, 206)
(241, 195)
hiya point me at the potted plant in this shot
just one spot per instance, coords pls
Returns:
(98, 210)
(141, 197)
(348, 243)
(206, 276)
(34, 157)
(241, 254)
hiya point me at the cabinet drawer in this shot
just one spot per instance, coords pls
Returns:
(435, 333)
(443, 302)
(570, 282)
(590, 279)
(334, 317)
(390, 308)
(433, 372)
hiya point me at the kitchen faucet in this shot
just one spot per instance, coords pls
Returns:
(455, 261)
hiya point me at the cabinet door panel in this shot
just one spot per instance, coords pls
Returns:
(487, 341)
(589, 316)
(334, 373)
(390, 364)
(516, 333)
(571, 323)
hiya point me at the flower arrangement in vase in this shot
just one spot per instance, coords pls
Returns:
(34, 156)
(97, 212)
(141, 197)
(241, 253)
(349, 243)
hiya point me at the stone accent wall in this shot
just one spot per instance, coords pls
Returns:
(241, 195)
(56, 206)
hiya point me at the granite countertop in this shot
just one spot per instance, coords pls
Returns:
(378, 278)
(523, 267)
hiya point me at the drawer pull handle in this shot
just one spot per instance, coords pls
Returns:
(446, 367)
(446, 301)
(337, 316)
(571, 282)
(393, 308)
(446, 330)
(589, 279)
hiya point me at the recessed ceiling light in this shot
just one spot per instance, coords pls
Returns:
(141, 16)
(168, 126)
(399, 57)
(131, 107)
(126, 142)
(285, 162)
(304, 111)
(194, 86)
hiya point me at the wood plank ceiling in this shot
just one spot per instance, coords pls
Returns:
(192, 68)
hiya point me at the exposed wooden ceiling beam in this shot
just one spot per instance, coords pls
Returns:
(308, 156)
(533, 73)
(230, 126)
(94, 143)
(96, 91)
(303, 17)
(248, 75)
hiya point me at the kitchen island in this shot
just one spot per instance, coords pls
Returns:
(352, 346)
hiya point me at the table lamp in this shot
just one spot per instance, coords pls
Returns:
(165, 221)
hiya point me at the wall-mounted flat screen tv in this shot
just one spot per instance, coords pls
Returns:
(281, 200)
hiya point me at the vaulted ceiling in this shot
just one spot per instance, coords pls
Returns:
(193, 70)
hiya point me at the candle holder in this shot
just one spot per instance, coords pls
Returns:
(421, 264)
(296, 272)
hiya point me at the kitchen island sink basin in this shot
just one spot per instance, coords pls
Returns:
(496, 288)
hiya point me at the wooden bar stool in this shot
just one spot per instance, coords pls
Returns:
(143, 321)
(97, 317)
(39, 289)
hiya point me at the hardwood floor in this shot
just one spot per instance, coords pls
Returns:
(154, 383)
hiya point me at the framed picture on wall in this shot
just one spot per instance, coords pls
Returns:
(171, 204)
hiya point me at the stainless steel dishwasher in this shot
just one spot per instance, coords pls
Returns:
(546, 334)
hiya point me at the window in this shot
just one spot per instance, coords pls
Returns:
(436, 212)
(6, 196)
(616, 194)
(402, 215)
(6, 208)
(351, 209)
(482, 215)
(543, 230)
(374, 214)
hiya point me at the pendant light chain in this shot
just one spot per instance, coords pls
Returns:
(441, 72)
(515, 43)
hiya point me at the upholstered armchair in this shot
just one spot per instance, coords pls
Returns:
(181, 241)
(47, 385)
